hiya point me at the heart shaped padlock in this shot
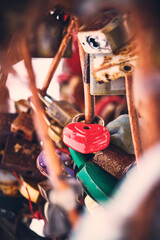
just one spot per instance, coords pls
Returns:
(86, 138)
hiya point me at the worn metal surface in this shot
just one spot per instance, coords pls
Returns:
(81, 118)
(60, 111)
(20, 156)
(5, 121)
(114, 160)
(116, 87)
(55, 133)
(22, 105)
(23, 126)
(108, 67)
(106, 32)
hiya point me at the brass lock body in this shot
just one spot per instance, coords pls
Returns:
(55, 133)
(60, 111)
(22, 105)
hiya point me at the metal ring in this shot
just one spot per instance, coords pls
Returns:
(81, 118)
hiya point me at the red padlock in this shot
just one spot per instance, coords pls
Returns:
(86, 138)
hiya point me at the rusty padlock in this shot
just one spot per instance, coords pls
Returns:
(22, 105)
(60, 111)
(23, 126)
(106, 32)
(20, 156)
(114, 160)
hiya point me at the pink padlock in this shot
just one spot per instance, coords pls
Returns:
(86, 138)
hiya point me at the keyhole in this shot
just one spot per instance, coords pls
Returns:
(93, 43)
(86, 127)
(20, 133)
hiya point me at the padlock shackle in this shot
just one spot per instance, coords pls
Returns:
(51, 98)
(78, 158)
(43, 100)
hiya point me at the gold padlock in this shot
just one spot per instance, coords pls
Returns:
(55, 133)
(22, 105)
(60, 111)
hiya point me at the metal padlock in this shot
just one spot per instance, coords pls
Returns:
(58, 224)
(67, 170)
(45, 187)
(20, 156)
(23, 126)
(116, 87)
(32, 193)
(22, 105)
(55, 133)
(86, 138)
(108, 67)
(60, 111)
(106, 33)
(9, 184)
(97, 183)
(5, 121)
(45, 39)
(114, 160)
(101, 88)
(54, 130)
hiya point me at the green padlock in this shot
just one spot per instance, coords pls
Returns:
(97, 183)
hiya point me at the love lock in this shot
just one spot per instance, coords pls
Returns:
(61, 111)
(97, 183)
(86, 138)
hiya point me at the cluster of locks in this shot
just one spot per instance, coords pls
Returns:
(94, 148)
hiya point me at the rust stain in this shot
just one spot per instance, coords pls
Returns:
(107, 66)
(108, 71)
(106, 60)
(121, 60)
(97, 78)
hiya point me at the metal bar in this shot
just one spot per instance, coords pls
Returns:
(57, 58)
(133, 118)
(52, 160)
(89, 100)
(3, 80)
(41, 126)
